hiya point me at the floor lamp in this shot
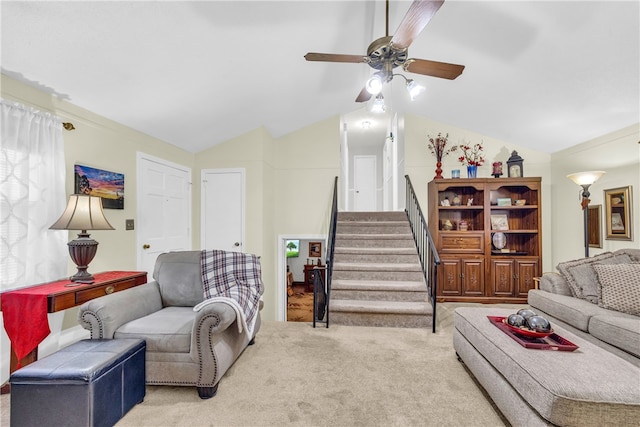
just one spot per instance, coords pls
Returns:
(585, 179)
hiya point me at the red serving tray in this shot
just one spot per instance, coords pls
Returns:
(552, 342)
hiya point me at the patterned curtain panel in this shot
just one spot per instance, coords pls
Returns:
(32, 197)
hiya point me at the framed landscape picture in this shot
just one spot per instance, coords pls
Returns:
(97, 182)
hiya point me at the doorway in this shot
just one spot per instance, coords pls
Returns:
(364, 183)
(372, 161)
(222, 212)
(164, 209)
(295, 302)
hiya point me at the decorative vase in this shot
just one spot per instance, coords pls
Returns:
(472, 171)
(438, 171)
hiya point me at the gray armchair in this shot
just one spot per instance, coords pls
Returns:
(184, 347)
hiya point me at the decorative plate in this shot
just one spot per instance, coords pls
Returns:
(527, 332)
(499, 240)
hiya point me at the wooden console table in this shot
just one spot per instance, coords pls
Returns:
(25, 310)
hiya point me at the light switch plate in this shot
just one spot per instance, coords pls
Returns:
(128, 224)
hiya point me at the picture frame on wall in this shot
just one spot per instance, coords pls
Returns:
(618, 214)
(315, 249)
(595, 226)
(109, 186)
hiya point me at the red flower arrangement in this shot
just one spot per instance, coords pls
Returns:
(438, 146)
(471, 156)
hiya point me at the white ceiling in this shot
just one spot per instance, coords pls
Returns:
(542, 74)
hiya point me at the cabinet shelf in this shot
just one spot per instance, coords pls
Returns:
(472, 269)
(497, 207)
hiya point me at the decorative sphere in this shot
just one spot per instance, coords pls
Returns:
(526, 313)
(516, 320)
(539, 324)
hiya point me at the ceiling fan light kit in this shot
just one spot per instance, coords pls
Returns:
(389, 52)
(378, 104)
(414, 88)
(374, 84)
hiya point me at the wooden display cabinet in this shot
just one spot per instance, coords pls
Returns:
(476, 265)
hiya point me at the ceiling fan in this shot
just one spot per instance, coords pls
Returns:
(389, 52)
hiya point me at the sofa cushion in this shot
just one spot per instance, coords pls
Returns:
(587, 279)
(166, 331)
(555, 283)
(620, 287)
(567, 270)
(571, 310)
(179, 275)
(622, 331)
(632, 252)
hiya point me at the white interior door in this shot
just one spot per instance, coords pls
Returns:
(364, 183)
(164, 209)
(223, 209)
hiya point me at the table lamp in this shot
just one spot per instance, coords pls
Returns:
(84, 213)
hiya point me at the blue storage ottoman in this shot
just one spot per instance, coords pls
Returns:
(89, 383)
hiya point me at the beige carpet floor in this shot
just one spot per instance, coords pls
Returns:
(341, 376)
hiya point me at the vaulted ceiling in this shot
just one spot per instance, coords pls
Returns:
(542, 74)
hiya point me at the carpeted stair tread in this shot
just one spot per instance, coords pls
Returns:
(363, 266)
(374, 223)
(375, 251)
(377, 236)
(378, 285)
(372, 216)
(395, 307)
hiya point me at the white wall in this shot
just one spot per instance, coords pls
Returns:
(618, 154)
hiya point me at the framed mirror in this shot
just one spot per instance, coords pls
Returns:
(618, 213)
(595, 226)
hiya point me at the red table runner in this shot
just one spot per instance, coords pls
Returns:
(25, 311)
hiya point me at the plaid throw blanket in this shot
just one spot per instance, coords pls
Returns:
(233, 278)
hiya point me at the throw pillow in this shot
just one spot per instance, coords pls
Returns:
(587, 279)
(566, 269)
(620, 287)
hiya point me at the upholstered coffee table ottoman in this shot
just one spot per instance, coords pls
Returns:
(89, 383)
(585, 387)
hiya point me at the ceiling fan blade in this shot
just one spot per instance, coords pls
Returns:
(333, 57)
(363, 96)
(434, 68)
(418, 16)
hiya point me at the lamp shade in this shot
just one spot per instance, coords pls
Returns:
(585, 178)
(83, 212)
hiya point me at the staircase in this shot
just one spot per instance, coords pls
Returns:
(377, 278)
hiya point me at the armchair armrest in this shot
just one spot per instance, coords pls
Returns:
(103, 316)
(212, 325)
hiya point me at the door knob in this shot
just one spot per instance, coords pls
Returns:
(236, 244)
(145, 246)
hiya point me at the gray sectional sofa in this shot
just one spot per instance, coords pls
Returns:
(596, 298)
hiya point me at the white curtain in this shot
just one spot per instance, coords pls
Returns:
(32, 191)
(32, 197)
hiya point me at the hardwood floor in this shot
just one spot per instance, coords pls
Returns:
(300, 305)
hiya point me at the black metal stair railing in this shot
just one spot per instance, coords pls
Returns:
(322, 288)
(429, 258)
